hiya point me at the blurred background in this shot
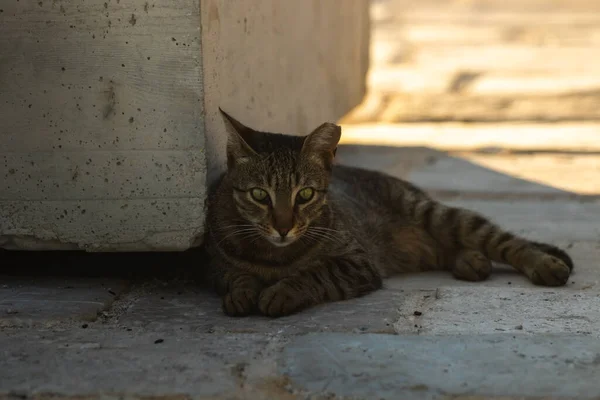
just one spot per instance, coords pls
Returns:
(510, 85)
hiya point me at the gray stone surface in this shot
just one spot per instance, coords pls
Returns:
(46, 302)
(440, 367)
(88, 363)
(481, 311)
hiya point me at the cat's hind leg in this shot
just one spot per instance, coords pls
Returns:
(544, 264)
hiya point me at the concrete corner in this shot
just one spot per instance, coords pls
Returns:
(110, 125)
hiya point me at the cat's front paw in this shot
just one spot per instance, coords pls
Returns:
(280, 300)
(240, 302)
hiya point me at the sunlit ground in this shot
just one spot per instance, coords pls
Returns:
(512, 86)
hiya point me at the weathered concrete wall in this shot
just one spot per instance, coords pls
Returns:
(281, 66)
(109, 112)
(102, 140)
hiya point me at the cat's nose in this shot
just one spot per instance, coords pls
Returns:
(283, 232)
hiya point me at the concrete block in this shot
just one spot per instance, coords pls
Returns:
(110, 124)
(44, 303)
(441, 367)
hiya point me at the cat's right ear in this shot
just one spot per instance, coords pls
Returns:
(238, 149)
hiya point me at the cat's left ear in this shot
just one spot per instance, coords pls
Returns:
(322, 142)
(238, 142)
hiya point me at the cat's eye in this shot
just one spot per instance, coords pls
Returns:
(305, 195)
(260, 195)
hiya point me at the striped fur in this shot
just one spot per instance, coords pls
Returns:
(283, 253)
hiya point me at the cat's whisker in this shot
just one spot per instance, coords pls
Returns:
(256, 237)
(323, 235)
(321, 228)
(222, 228)
(238, 232)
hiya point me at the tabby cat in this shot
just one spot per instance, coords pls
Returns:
(287, 229)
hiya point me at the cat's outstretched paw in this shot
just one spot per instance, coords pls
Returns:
(549, 271)
(472, 266)
(240, 302)
(280, 300)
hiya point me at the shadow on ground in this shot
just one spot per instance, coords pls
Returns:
(441, 174)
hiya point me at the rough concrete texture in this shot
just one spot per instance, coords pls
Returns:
(110, 108)
(282, 68)
(417, 367)
(103, 145)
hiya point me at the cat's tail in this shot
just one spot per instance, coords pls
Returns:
(462, 229)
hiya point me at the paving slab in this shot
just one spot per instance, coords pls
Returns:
(506, 302)
(443, 367)
(481, 311)
(94, 362)
(45, 302)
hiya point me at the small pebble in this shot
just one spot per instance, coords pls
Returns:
(11, 311)
(157, 341)
(519, 327)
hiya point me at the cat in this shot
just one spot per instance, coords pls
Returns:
(288, 229)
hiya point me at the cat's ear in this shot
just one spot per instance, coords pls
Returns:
(322, 142)
(238, 149)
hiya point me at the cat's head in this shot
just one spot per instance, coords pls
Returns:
(280, 181)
